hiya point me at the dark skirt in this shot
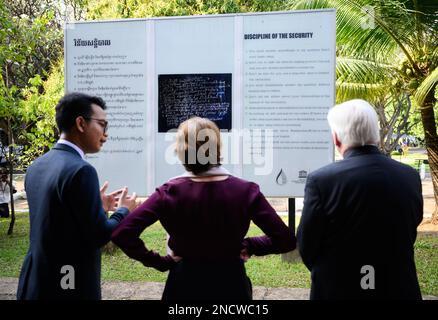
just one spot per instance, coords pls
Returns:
(195, 281)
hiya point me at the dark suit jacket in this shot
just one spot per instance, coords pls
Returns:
(67, 227)
(363, 210)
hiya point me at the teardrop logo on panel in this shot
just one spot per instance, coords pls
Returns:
(281, 178)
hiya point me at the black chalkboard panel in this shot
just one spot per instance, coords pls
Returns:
(181, 96)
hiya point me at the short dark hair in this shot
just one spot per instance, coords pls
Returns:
(74, 105)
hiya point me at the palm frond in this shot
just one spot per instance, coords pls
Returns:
(356, 68)
(374, 28)
(359, 90)
(434, 56)
(356, 29)
(426, 87)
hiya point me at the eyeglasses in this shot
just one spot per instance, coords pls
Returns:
(102, 122)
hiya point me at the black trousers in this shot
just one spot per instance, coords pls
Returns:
(4, 210)
(196, 281)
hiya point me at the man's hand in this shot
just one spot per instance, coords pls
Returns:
(127, 201)
(109, 200)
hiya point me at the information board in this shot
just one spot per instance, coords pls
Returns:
(266, 79)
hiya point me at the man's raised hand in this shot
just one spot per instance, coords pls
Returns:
(109, 200)
(127, 201)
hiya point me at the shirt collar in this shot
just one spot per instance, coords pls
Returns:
(361, 150)
(70, 144)
(213, 171)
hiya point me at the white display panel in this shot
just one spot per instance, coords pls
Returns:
(108, 59)
(189, 47)
(288, 90)
(269, 73)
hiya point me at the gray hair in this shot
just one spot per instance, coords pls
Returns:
(355, 123)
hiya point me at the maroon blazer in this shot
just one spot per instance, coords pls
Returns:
(205, 221)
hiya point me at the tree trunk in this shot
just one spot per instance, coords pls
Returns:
(11, 191)
(430, 134)
(11, 165)
(11, 176)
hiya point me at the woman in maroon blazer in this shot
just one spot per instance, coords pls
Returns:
(207, 213)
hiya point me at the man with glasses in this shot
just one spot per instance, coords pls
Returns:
(68, 223)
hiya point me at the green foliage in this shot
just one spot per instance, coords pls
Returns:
(38, 111)
(106, 9)
(31, 40)
(399, 32)
(7, 101)
(415, 124)
(386, 50)
(28, 45)
(361, 78)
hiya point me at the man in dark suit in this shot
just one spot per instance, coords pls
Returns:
(68, 224)
(360, 216)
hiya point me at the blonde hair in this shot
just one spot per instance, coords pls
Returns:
(198, 144)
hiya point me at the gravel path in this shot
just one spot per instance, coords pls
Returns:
(118, 290)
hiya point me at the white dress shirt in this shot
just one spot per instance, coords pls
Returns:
(70, 144)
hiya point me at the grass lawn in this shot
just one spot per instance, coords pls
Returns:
(267, 271)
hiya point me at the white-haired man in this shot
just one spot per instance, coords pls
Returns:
(360, 216)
